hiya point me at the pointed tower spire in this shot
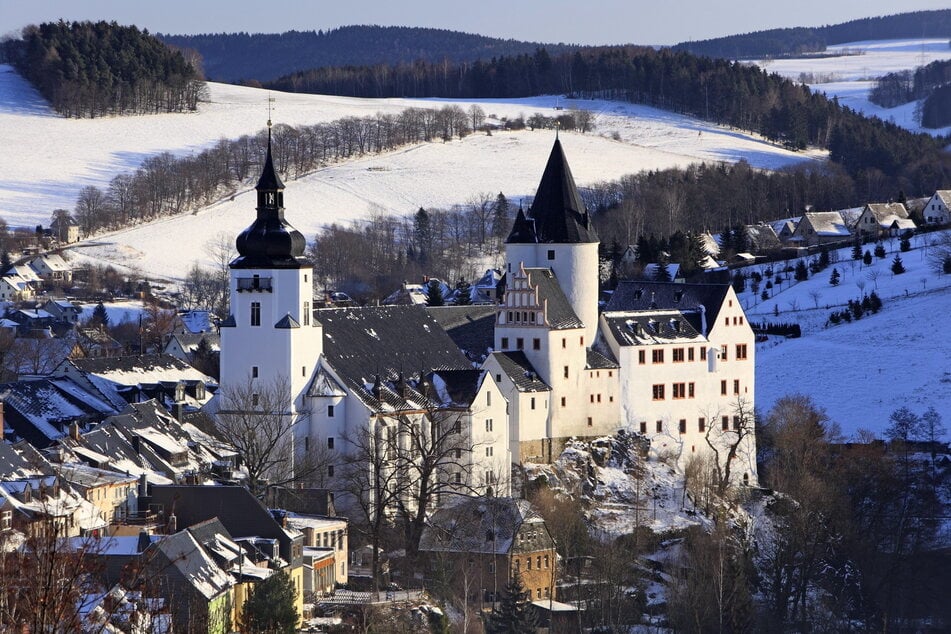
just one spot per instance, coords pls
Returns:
(557, 212)
(522, 229)
(270, 242)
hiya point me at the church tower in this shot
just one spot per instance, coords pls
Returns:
(270, 340)
(557, 233)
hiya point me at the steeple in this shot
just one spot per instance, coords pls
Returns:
(522, 229)
(270, 242)
(558, 213)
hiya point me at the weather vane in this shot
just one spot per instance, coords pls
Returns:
(270, 100)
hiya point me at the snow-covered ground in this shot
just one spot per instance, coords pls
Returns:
(848, 71)
(55, 157)
(861, 371)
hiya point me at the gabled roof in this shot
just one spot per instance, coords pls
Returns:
(324, 384)
(633, 328)
(825, 223)
(945, 196)
(686, 298)
(520, 371)
(189, 342)
(386, 341)
(456, 388)
(560, 314)
(184, 554)
(762, 237)
(40, 410)
(483, 525)
(599, 361)
(886, 213)
(16, 464)
(472, 328)
(557, 215)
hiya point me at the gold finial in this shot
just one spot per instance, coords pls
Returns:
(557, 128)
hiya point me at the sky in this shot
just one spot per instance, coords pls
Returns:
(574, 21)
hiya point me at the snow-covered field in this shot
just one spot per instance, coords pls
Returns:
(861, 371)
(58, 156)
(848, 71)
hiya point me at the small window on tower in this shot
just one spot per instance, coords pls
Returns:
(551, 254)
(330, 411)
(255, 313)
(254, 371)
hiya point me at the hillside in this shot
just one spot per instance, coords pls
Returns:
(266, 56)
(799, 40)
(861, 371)
(66, 155)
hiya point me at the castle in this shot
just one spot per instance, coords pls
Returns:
(672, 362)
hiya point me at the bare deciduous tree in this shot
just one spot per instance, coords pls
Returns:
(255, 420)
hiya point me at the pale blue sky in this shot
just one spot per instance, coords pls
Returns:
(574, 21)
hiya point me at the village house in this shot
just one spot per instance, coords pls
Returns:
(478, 544)
(883, 219)
(64, 229)
(53, 269)
(820, 227)
(937, 211)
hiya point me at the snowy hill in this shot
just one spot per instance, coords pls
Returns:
(63, 155)
(862, 371)
(849, 71)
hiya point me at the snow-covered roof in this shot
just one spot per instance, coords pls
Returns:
(186, 554)
(826, 223)
(197, 321)
(52, 261)
(886, 213)
(638, 328)
(484, 525)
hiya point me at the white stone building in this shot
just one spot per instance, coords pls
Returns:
(670, 361)
(937, 211)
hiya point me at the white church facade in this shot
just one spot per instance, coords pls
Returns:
(673, 362)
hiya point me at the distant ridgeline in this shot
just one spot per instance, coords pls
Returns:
(87, 69)
(713, 89)
(932, 83)
(265, 56)
(795, 41)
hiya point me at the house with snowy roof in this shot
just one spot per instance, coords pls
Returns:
(34, 500)
(63, 310)
(487, 541)
(54, 270)
(883, 219)
(190, 322)
(42, 411)
(820, 227)
(937, 211)
(14, 288)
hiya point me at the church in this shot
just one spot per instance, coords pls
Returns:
(672, 362)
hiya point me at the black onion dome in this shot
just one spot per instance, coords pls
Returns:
(270, 242)
(558, 213)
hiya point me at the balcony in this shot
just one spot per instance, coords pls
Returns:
(254, 284)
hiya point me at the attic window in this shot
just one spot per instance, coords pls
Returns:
(490, 536)
(678, 296)
(638, 294)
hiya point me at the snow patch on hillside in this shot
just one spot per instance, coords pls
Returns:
(862, 371)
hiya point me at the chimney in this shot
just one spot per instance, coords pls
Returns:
(172, 524)
(73, 427)
(136, 444)
(178, 410)
(143, 486)
(145, 540)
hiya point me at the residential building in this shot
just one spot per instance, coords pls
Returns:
(883, 219)
(477, 544)
(820, 227)
(937, 211)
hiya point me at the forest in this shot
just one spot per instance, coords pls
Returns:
(724, 92)
(799, 40)
(266, 56)
(93, 69)
(928, 83)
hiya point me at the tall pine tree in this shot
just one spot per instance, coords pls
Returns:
(514, 613)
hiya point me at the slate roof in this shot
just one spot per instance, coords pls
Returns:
(482, 525)
(560, 314)
(183, 553)
(386, 341)
(189, 342)
(599, 361)
(16, 464)
(472, 328)
(649, 327)
(521, 372)
(686, 298)
(40, 411)
(456, 387)
(557, 215)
